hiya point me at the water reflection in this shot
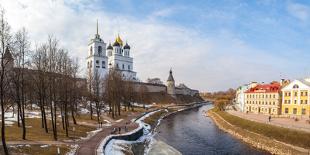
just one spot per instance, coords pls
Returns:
(191, 132)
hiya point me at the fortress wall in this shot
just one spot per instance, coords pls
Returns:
(152, 88)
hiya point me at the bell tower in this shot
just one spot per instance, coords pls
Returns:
(97, 60)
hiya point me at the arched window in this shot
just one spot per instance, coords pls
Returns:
(123, 66)
(91, 50)
(117, 66)
(128, 67)
(99, 50)
(296, 86)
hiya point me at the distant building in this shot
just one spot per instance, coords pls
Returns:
(181, 89)
(240, 95)
(264, 98)
(296, 98)
(170, 84)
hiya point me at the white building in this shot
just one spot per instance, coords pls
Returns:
(240, 95)
(101, 58)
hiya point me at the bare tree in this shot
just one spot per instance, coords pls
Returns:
(142, 94)
(6, 67)
(114, 91)
(22, 45)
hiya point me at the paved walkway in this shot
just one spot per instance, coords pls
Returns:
(90, 146)
(282, 122)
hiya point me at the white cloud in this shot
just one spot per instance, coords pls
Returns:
(201, 63)
(299, 11)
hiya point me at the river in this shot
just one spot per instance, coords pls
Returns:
(190, 132)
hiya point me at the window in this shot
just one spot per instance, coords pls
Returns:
(128, 67)
(295, 101)
(274, 96)
(103, 64)
(295, 94)
(91, 64)
(306, 101)
(117, 66)
(296, 86)
(99, 50)
(123, 66)
(286, 110)
(303, 111)
(301, 93)
(91, 50)
(295, 111)
(97, 62)
(301, 101)
(306, 93)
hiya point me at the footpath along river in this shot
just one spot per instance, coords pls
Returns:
(190, 132)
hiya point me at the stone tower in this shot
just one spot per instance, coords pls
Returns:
(170, 84)
(97, 60)
(8, 59)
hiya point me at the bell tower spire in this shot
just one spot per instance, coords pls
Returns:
(97, 26)
(97, 36)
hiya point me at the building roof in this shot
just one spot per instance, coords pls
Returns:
(110, 47)
(305, 81)
(119, 40)
(7, 54)
(170, 78)
(273, 87)
(126, 46)
(116, 43)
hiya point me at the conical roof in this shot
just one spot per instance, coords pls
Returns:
(7, 54)
(170, 78)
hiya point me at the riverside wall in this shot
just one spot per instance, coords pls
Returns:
(257, 140)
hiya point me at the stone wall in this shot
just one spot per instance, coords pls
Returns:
(154, 88)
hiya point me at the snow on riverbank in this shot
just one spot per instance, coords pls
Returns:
(160, 147)
(121, 147)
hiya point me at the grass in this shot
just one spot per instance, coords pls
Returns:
(290, 136)
(153, 119)
(37, 150)
(36, 133)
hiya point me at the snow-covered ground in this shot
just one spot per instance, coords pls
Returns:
(143, 105)
(120, 147)
(11, 118)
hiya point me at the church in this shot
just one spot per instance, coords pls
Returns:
(102, 57)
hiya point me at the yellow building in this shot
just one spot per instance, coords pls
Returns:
(264, 99)
(296, 96)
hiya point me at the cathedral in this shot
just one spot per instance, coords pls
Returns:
(102, 57)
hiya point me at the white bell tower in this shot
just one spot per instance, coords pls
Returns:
(97, 60)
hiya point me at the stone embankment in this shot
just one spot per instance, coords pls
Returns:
(256, 140)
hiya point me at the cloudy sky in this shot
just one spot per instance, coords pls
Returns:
(210, 45)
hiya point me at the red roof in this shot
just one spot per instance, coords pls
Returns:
(273, 87)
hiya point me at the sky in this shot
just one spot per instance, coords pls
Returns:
(210, 45)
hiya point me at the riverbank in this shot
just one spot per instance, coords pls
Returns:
(244, 130)
(149, 122)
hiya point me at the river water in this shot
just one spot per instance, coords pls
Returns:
(191, 133)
